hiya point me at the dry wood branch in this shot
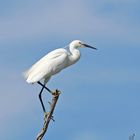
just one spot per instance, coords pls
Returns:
(48, 115)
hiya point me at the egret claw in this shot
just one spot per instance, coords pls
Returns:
(56, 92)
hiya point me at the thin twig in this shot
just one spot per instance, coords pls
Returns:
(48, 115)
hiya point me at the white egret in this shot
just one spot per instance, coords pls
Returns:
(53, 63)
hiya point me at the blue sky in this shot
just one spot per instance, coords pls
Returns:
(100, 99)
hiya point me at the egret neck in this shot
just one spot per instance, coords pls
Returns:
(74, 54)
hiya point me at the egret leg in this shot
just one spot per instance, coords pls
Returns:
(45, 87)
(40, 98)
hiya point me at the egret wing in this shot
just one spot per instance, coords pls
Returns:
(47, 66)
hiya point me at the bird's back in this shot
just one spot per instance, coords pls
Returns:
(47, 66)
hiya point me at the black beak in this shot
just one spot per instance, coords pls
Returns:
(88, 46)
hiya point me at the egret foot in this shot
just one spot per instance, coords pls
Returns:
(46, 114)
(52, 118)
(56, 92)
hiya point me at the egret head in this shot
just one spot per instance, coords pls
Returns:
(80, 44)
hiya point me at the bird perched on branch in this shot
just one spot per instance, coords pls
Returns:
(53, 63)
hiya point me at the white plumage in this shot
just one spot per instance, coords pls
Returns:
(54, 62)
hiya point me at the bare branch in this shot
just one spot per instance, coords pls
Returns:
(48, 115)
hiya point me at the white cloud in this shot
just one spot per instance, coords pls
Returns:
(69, 18)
